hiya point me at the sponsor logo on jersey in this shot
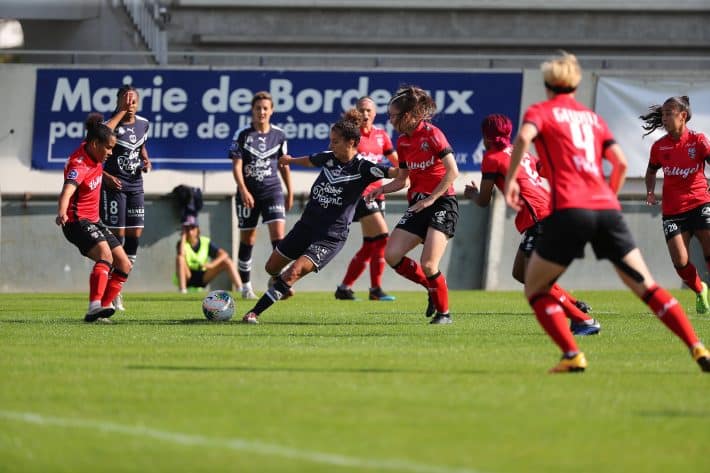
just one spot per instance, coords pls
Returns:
(421, 165)
(681, 172)
(377, 172)
(94, 183)
(72, 174)
(327, 195)
(665, 148)
(692, 152)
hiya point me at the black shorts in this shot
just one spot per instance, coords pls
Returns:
(568, 231)
(695, 219)
(365, 208)
(530, 237)
(122, 209)
(302, 240)
(271, 209)
(442, 215)
(197, 278)
(85, 235)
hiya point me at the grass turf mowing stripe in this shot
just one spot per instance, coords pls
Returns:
(235, 444)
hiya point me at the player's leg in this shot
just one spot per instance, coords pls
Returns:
(121, 268)
(635, 274)
(248, 218)
(374, 228)
(434, 248)
(182, 272)
(100, 252)
(678, 245)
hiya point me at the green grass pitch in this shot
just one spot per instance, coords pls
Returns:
(334, 386)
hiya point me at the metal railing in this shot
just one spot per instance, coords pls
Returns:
(146, 18)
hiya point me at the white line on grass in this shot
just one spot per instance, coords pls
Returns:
(236, 444)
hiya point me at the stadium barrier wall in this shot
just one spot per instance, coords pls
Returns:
(35, 254)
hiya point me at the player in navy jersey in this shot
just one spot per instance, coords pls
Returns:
(122, 196)
(427, 162)
(571, 141)
(324, 225)
(255, 153)
(78, 215)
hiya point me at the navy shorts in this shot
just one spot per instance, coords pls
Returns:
(365, 208)
(695, 219)
(568, 231)
(85, 235)
(197, 278)
(530, 237)
(271, 209)
(442, 215)
(303, 240)
(122, 209)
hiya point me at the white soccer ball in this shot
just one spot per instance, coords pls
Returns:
(218, 306)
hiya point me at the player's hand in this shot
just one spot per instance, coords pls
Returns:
(651, 198)
(512, 195)
(247, 199)
(288, 203)
(128, 102)
(420, 205)
(60, 220)
(285, 160)
(112, 182)
(471, 190)
(147, 165)
(374, 194)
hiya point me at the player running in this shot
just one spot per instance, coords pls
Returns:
(681, 154)
(324, 225)
(427, 162)
(255, 153)
(496, 130)
(78, 215)
(571, 141)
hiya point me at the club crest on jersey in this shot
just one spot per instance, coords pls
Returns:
(72, 174)
(380, 141)
(424, 146)
(691, 152)
(132, 139)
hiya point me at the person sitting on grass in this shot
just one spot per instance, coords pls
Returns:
(199, 260)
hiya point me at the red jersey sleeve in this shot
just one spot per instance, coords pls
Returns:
(440, 143)
(534, 116)
(654, 160)
(704, 144)
(491, 167)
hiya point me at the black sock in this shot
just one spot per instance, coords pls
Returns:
(244, 261)
(275, 293)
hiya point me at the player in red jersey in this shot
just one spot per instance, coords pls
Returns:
(681, 154)
(427, 161)
(78, 215)
(571, 141)
(496, 130)
(375, 146)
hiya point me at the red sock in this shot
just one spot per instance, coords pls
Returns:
(669, 311)
(439, 292)
(377, 262)
(98, 280)
(567, 303)
(115, 283)
(551, 316)
(689, 275)
(358, 263)
(411, 270)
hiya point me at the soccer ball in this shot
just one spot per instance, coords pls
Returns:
(218, 306)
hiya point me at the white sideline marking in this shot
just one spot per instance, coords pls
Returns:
(236, 444)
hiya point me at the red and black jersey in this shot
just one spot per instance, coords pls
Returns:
(570, 142)
(532, 188)
(81, 170)
(375, 146)
(421, 154)
(683, 164)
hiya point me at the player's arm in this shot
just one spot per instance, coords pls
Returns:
(619, 164)
(218, 259)
(145, 159)
(65, 196)
(285, 171)
(452, 172)
(400, 178)
(124, 103)
(526, 135)
(482, 196)
(238, 173)
(304, 161)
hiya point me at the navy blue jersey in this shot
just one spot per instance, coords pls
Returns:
(260, 153)
(125, 162)
(336, 192)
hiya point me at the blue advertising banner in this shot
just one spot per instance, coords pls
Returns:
(194, 114)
